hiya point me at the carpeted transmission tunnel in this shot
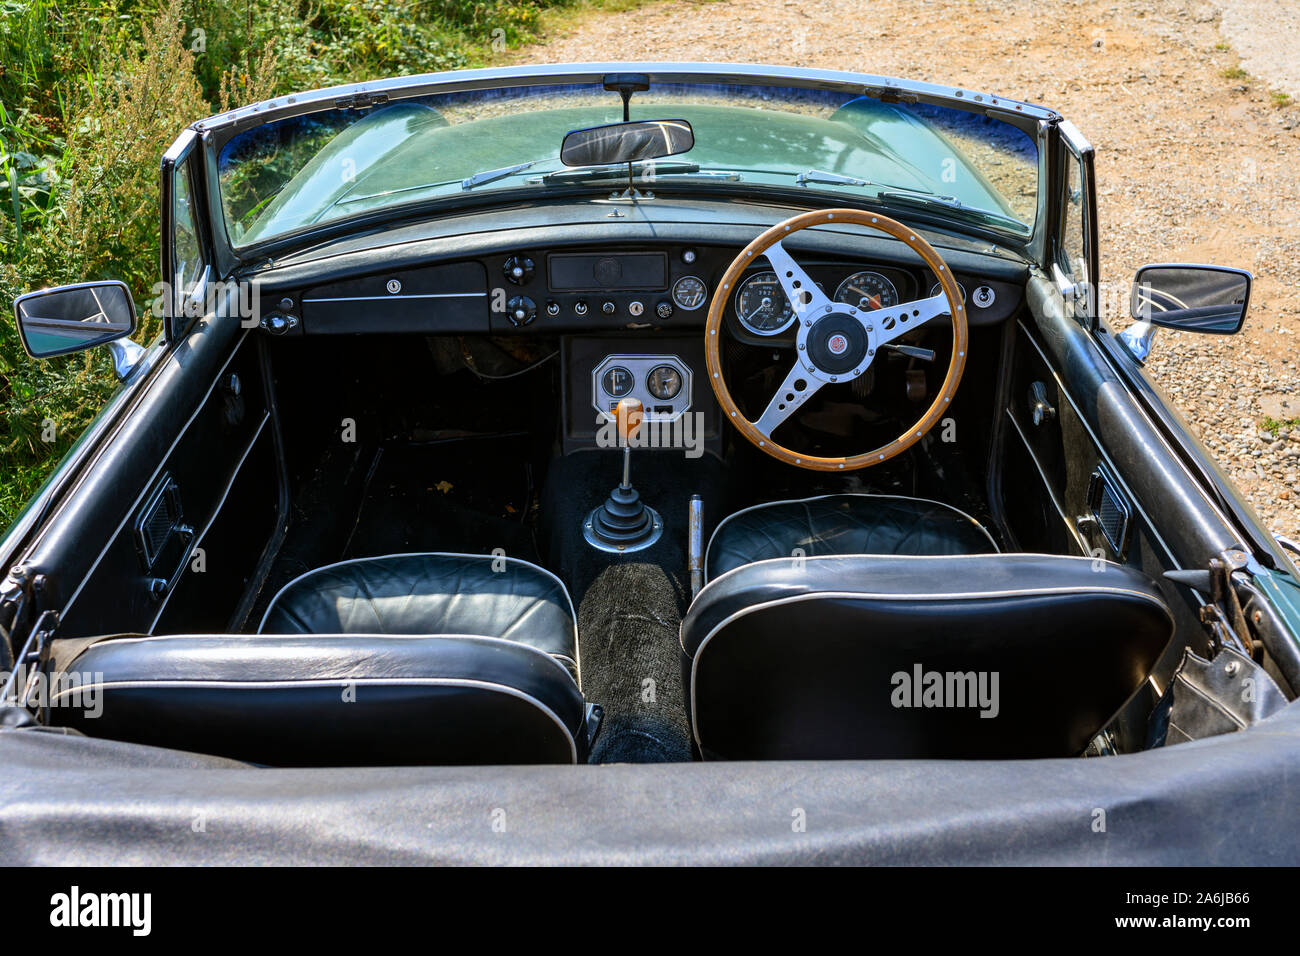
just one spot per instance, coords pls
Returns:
(630, 606)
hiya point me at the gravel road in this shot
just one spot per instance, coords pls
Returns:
(1198, 153)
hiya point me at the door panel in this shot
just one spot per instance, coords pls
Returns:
(194, 452)
(1092, 494)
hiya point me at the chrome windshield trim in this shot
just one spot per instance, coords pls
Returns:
(378, 92)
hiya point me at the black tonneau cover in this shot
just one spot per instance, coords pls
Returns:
(1228, 800)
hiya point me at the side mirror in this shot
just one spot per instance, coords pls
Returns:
(72, 318)
(1192, 298)
(626, 142)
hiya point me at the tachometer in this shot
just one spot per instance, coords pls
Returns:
(761, 305)
(867, 291)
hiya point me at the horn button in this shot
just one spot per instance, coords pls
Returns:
(837, 343)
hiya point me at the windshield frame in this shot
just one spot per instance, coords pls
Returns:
(218, 130)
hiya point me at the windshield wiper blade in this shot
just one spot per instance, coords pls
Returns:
(821, 177)
(492, 175)
(952, 204)
(616, 172)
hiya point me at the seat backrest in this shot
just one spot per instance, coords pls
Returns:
(325, 700)
(996, 656)
(431, 593)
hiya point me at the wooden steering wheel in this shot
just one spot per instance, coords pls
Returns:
(835, 342)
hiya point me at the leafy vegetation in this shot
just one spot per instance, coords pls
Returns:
(91, 94)
(1275, 426)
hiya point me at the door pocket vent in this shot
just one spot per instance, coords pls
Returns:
(1111, 511)
(157, 521)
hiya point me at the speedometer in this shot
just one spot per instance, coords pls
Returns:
(761, 305)
(867, 291)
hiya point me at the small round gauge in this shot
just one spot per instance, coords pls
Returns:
(617, 381)
(664, 382)
(867, 291)
(762, 306)
(936, 289)
(689, 293)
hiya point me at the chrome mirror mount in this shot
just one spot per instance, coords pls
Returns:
(1137, 339)
(128, 358)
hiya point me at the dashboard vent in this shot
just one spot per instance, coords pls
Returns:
(1110, 510)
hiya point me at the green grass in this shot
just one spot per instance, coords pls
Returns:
(1234, 73)
(1280, 99)
(1274, 425)
(93, 91)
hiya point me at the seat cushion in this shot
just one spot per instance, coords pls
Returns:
(844, 524)
(432, 593)
(326, 700)
(973, 656)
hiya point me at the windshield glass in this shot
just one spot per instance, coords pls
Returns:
(332, 165)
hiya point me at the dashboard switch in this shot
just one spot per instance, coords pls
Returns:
(609, 308)
(552, 308)
(580, 307)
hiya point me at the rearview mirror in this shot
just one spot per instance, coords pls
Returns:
(71, 318)
(626, 142)
(1192, 298)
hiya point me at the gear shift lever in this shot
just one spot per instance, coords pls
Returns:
(624, 522)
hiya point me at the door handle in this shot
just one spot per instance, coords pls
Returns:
(1040, 409)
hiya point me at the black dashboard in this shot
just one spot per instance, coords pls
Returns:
(635, 287)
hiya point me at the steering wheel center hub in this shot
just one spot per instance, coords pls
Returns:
(837, 344)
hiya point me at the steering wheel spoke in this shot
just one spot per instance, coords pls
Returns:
(888, 324)
(795, 389)
(806, 299)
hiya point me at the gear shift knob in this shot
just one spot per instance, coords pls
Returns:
(624, 522)
(630, 416)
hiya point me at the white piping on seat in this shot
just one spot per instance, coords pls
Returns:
(338, 682)
(553, 658)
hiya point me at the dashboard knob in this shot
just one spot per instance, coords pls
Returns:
(552, 308)
(521, 310)
(608, 308)
(580, 307)
(519, 269)
(664, 309)
(276, 323)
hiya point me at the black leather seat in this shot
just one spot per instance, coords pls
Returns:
(843, 524)
(405, 659)
(432, 593)
(974, 656)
